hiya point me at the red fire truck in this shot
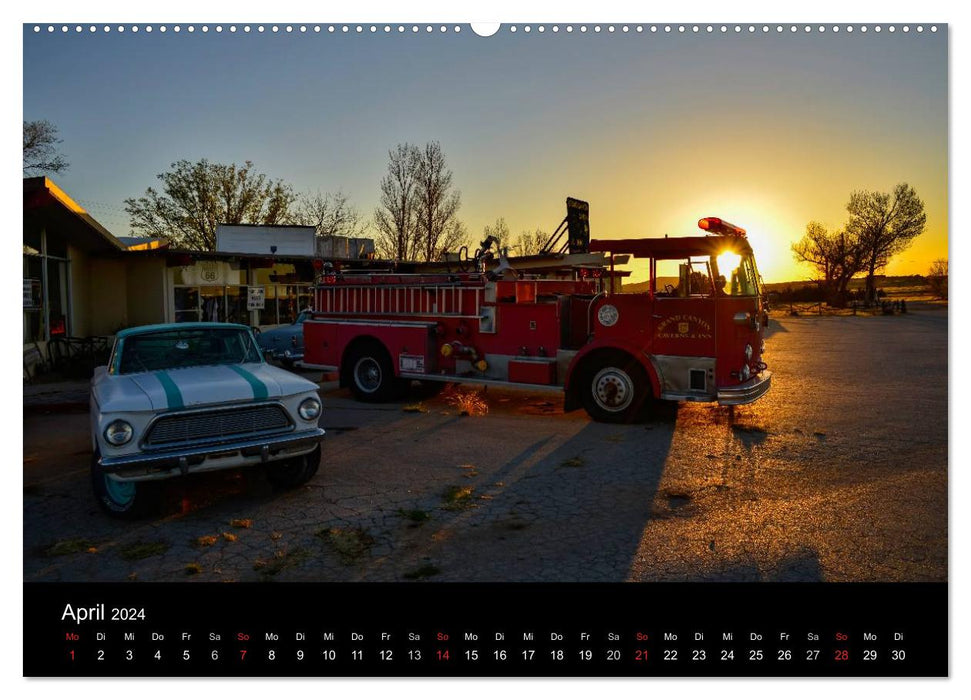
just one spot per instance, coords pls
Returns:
(696, 336)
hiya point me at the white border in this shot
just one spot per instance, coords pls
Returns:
(601, 11)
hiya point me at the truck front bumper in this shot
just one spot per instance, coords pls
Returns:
(150, 466)
(746, 392)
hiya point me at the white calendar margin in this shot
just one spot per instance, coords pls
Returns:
(828, 11)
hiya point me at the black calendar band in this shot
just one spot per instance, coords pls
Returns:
(465, 629)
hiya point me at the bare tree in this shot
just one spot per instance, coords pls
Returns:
(836, 255)
(530, 242)
(196, 197)
(499, 231)
(395, 217)
(436, 202)
(885, 223)
(330, 214)
(40, 149)
(937, 278)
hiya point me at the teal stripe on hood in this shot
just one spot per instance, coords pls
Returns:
(173, 397)
(259, 388)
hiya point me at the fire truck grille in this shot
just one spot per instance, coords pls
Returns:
(175, 430)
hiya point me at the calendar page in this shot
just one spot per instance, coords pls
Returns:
(525, 349)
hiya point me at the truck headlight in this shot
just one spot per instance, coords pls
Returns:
(748, 353)
(745, 373)
(119, 433)
(309, 409)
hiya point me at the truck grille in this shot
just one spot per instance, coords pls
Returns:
(179, 429)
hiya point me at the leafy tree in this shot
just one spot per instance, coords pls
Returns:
(884, 223)
(40, 149)
(395, 217)
(330, 214)
(196, 197)
(937, 278)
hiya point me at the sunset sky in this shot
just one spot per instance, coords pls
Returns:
(766, 130)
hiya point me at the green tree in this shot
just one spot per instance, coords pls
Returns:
(41, 156)
(196, 197)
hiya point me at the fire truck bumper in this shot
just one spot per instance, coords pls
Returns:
(746, 392)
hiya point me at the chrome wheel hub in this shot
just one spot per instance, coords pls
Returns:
(613, 389)
(367, 374)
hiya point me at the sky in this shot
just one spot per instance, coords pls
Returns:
(655, 130)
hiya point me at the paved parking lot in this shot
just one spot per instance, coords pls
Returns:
(838, 474)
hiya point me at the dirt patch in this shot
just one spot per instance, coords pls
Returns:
(72, 546)
(281, 560)
(350, 544)
(423, 571)
(143, 550)
(457, 497)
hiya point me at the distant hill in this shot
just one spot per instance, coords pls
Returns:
(889, 281)
(883, 282)
(643, 287)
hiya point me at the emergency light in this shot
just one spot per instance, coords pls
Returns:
(712, 224)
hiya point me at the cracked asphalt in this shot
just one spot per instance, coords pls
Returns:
(838, 474)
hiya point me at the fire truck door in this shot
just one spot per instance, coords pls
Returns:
(684, 339)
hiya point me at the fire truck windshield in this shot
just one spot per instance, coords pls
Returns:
(737, 275)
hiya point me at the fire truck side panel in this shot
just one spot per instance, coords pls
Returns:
(535, 327)
(411, 344)
(622, 317)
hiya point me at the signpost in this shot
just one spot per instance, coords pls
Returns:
(256, 299)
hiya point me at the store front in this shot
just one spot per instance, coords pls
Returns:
(237, 289)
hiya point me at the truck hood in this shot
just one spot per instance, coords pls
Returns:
(192, 387)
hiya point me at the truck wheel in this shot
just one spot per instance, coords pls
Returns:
(370, 374)
(122, 499)
(294, 472)
(615, 390)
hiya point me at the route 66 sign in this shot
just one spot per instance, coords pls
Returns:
(608, 315)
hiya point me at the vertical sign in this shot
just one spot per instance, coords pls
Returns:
(256, 299)
(578, 224)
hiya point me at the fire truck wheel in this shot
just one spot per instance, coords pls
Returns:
(294, 472)
(615, 390)
(371, 376)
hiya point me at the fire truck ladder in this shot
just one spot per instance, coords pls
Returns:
(434, 299)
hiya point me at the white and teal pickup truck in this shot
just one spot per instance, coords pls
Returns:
(181, 398)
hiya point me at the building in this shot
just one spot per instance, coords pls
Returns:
(82, 281)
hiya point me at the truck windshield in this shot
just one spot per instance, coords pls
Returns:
(172, 349)
(737, 276)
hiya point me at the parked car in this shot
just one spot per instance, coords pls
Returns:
(182, 398)
(284, 344)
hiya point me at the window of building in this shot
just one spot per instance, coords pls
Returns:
(46, 311)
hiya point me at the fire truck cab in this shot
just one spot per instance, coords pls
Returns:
(695, 335)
